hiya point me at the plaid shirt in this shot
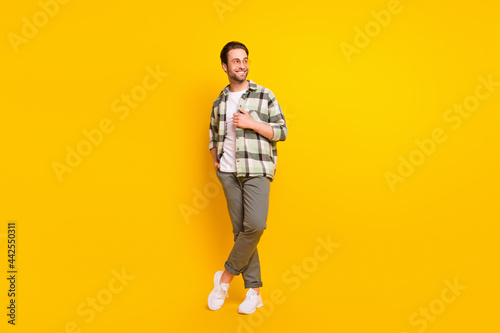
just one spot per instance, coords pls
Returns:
(256, 155)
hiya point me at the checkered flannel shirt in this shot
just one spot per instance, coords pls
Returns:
(256, 155)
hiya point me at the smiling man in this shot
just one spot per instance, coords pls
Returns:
(246, 122)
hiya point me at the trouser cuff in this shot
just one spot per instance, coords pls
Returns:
(230, 270)
(253, 285)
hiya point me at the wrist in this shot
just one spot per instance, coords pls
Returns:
(254, 125)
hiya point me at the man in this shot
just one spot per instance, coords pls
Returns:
(245, 124)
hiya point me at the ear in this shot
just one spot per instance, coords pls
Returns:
(224, 67)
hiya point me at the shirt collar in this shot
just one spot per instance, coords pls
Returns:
(251, 86)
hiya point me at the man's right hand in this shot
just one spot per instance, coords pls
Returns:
(213, 151)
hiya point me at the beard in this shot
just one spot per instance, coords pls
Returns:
(239, 78)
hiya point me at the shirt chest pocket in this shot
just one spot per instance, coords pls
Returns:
(259, 115)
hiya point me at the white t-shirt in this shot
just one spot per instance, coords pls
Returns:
(228, 159)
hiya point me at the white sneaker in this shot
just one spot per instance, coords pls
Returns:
(251, 303)
(218, 295)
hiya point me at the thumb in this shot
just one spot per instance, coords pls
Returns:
(243, 111)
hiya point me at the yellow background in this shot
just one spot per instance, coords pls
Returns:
(121, 208)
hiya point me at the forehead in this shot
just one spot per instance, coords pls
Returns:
(237, 53)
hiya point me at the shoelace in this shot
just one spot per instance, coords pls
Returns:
(252, 296)
(252, 292)
(221, 292)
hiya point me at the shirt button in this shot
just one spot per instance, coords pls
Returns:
(237, 148)
(237, 160)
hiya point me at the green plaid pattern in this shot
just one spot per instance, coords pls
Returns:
(255, 154)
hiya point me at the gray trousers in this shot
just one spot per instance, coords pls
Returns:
(248, 203)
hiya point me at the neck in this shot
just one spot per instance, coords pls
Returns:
(238, 86)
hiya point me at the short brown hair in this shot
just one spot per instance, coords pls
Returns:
(231, 46)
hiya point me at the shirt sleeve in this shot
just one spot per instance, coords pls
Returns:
(214, 128)
(276, 119)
